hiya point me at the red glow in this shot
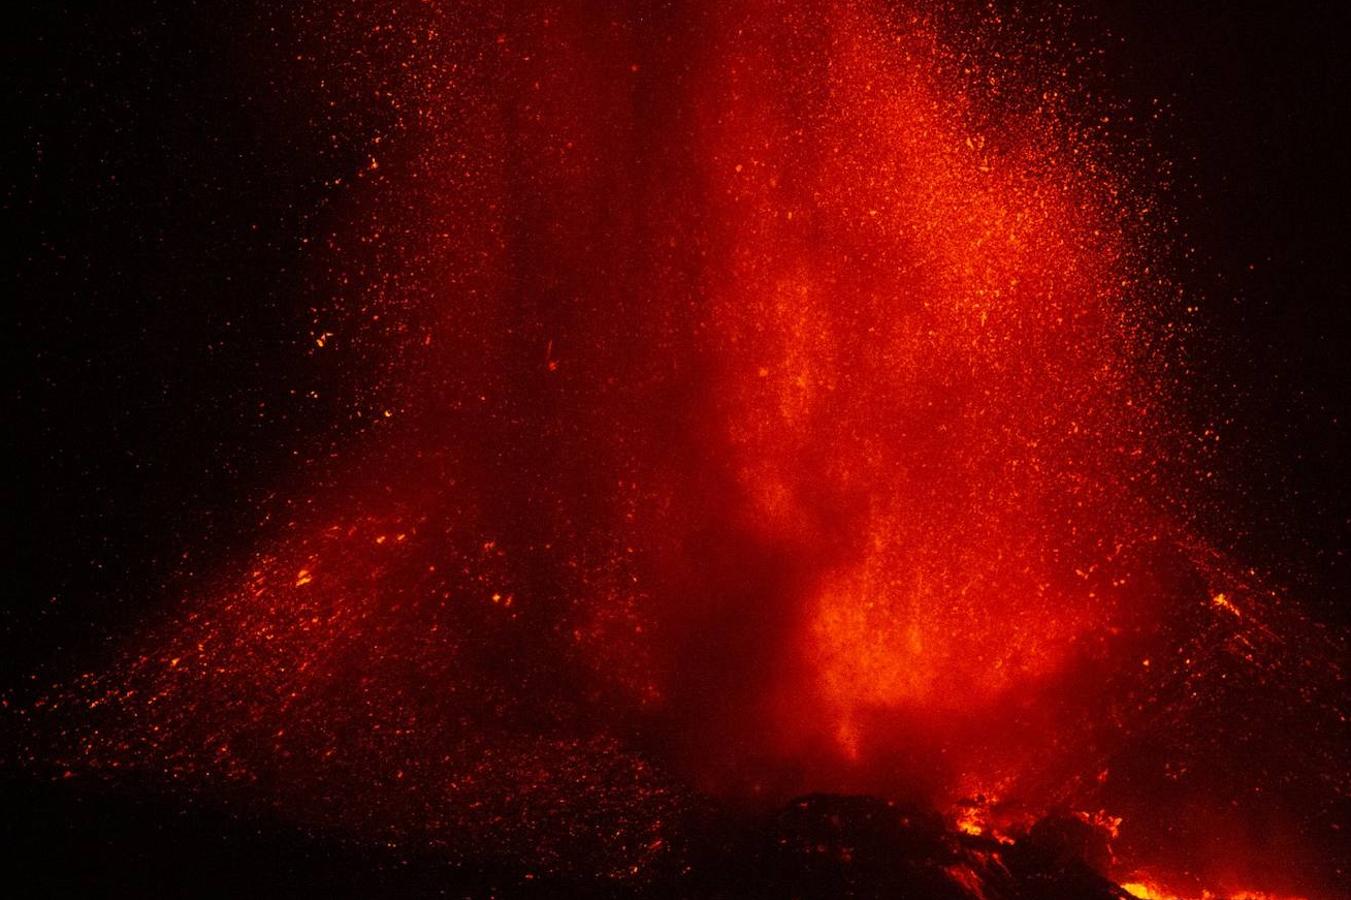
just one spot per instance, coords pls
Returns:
(765, 401)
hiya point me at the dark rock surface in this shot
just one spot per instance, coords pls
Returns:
(77, 841)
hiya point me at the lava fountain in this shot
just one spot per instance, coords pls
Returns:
(760, 398)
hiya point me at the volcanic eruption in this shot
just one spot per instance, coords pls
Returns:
(748, 401)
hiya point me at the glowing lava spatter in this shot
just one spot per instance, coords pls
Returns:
(925, 368)
(770, 409)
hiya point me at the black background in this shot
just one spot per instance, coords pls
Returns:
(159, 191)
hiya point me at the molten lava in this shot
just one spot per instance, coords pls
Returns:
(760, 398)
